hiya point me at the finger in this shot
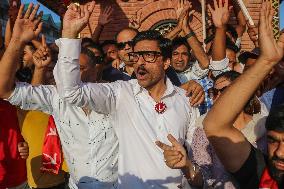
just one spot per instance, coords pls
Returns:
(196, 98)
(191, 13)
(200, 101)
(91, 6)
(33, 14)
(210, 8)
(221, 3)
(163, 146)
(262, 19)
(29, 10)
(43, 40)
(226, 5)
(173, 158)
(173, 140)
(20, 13)
(171, 153)
(173, 163)
(73, 7)
(215, 4)
(270, 20)
(37, 20)
(38, 29)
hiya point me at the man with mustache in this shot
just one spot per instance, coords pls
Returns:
(142, 110)
(248, 165)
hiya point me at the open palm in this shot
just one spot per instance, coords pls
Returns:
(220, 13)
(28, 26)
(271, 50)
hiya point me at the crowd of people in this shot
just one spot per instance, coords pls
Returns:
(142, 110)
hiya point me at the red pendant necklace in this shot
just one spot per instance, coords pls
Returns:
(160, 107)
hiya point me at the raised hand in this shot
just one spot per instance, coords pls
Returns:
(76, 18)
(42, 56)
(252, 33)
(104, 17)
(184, 15)
(29, 25)
(23, 149)
(181, 6)
(175, 156)
(185, 24)
(271, 50)
(220, 13)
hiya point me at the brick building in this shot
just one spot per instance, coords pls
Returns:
(150, 14)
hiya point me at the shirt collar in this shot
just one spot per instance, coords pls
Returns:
(170, 88)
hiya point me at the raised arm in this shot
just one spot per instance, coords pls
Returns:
(99, 97)
(220, 16)
(218, 124)
(26, 28)
(181, 11)
(241, 19)
(104, 19)
(195, 45)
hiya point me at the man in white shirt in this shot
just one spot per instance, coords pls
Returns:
(89, 143)
(142, 111)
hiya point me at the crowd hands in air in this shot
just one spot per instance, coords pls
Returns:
(178, 113)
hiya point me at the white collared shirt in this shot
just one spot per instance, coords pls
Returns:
(137, 125)
(89, 143)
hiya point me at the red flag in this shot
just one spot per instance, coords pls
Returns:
(51, 151)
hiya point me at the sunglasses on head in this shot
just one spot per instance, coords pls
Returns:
(122, 45)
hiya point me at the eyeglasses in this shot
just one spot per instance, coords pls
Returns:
(148, 56)
(122, 45)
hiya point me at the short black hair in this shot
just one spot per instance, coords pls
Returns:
(165, 44)
(232, 30)
(178, 41)
(231, 75)
(127, 28)
(108, 42)
(95, 46)
(90, 55)
(86, 41)
(275, 119)
(231, 45)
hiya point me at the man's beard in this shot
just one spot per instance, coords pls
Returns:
(276, 174)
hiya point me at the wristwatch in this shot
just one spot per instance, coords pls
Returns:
(189, 35)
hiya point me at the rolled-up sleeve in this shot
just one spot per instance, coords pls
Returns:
(98, 97)
(198, 72)
(29, 97)
(218, 67)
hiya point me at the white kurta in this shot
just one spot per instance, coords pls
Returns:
(136, 123)
(89, 143)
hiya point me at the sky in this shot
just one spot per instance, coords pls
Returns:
(282, 15)
(45, 10)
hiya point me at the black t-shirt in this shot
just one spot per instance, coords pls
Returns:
(250, 173)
